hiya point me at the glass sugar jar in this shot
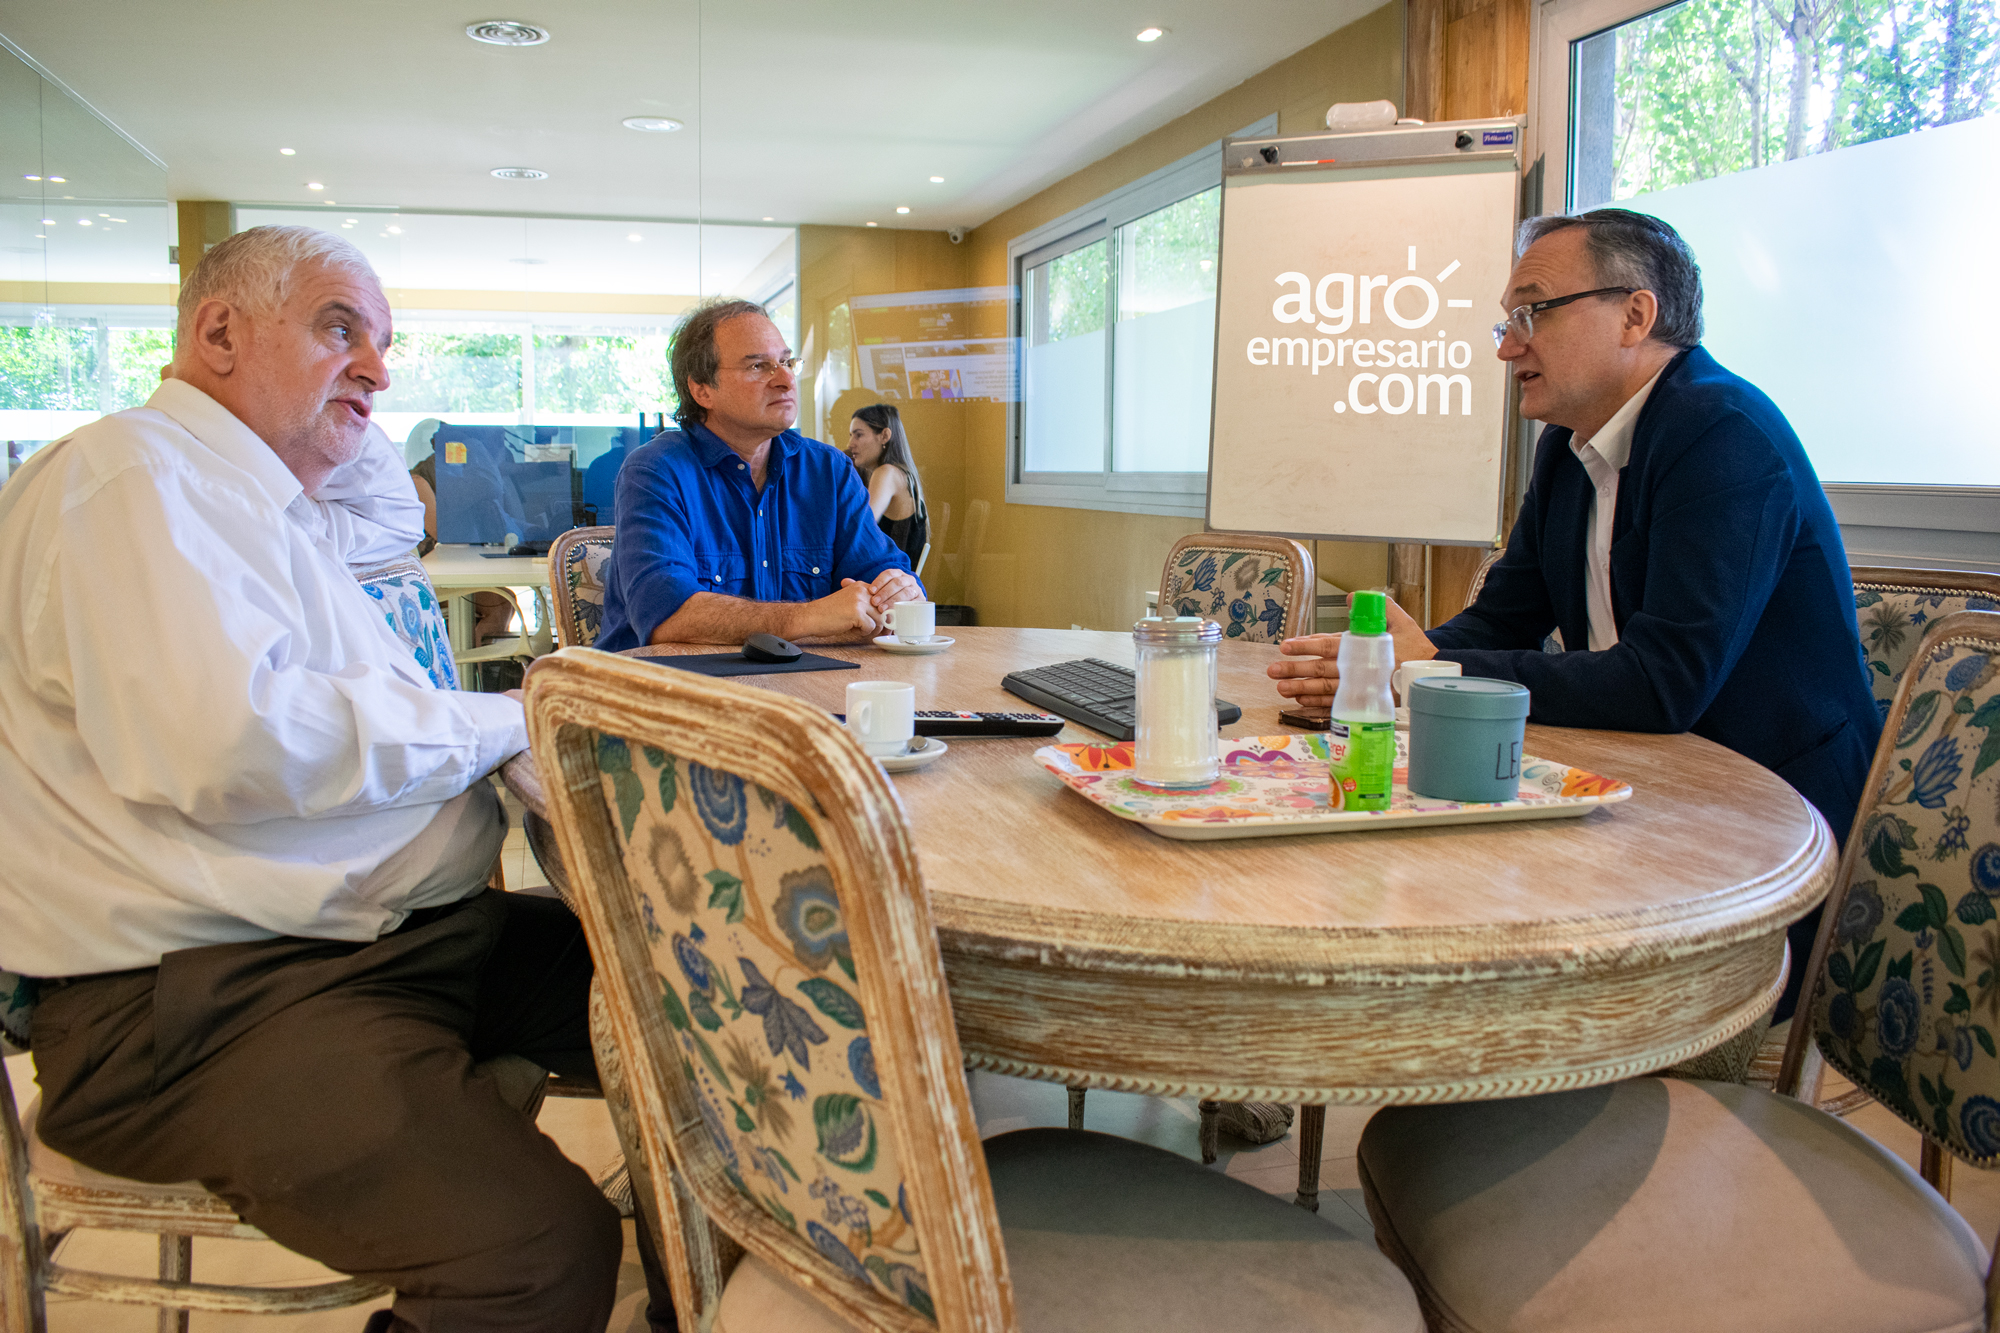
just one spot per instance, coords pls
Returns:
(1175, 745)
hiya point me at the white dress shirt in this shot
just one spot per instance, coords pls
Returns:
(1603, 456)
(208, 731)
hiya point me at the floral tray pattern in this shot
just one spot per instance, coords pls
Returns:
(1274, 785)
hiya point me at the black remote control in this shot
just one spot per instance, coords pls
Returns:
(951, 722)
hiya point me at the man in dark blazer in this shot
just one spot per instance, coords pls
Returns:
(1674, 535)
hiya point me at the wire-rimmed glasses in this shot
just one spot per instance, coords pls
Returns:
(763, 368)
(1521, 319)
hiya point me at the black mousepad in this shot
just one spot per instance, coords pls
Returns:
(736, 664)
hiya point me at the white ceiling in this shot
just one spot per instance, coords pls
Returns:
(809, 112)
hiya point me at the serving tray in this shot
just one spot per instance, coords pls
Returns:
(1276, 785)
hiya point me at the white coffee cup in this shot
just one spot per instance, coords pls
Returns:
(912, 622)
(1409, 671)
(882, 715)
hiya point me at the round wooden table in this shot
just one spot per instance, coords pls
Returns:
(1394, 966)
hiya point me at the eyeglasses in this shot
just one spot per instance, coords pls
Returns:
(763, 368)
(1521, 319)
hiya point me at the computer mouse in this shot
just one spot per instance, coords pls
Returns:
(770, 648)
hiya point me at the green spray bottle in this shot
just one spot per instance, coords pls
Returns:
(1361, 735)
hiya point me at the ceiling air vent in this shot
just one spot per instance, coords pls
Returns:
(520, 174)
(506, 32)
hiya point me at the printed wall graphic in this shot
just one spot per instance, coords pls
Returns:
(1356, 390)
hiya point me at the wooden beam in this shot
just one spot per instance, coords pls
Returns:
(202, 223)
(1462, 59)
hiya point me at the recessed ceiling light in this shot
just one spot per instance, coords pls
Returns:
(314, 185)
(635, 236)
(902, 208)
(506, 32)
(289, 152)
(48, 222)
(1151, 34)
(867, 224)
(519, 174)
(40, 236)
(937, 180)
(770, 219)
(31, 178)
(58, 180)
(395, 231)
(118, 219)
(352, 221)
(104, 215)
(652, 124)
(83, 222)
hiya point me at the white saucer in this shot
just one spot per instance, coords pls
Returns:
(931, 748)
(937, 643)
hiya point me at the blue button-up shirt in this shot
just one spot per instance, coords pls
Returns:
(689, 521)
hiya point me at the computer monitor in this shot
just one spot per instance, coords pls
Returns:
(497, 485)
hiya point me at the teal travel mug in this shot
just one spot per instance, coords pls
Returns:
(1465, 738)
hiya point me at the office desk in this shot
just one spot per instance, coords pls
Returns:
(1395, 966)
(457, 572)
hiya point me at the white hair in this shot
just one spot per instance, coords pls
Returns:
(253, 270)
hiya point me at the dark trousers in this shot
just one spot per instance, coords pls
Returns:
(326, 1091)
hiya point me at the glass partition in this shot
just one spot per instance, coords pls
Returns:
(86, 291)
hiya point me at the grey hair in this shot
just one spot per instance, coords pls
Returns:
(253, 270)
(693, 355)
(1636, 250)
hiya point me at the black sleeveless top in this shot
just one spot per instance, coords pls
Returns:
(909, 533)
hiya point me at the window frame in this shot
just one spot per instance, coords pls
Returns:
(1923, 527)
(1170, 494)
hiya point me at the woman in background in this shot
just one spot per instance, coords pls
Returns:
(881, 451)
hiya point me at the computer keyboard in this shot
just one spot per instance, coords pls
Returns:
(1095, 693)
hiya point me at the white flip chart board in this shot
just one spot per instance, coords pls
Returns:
(1357, 395)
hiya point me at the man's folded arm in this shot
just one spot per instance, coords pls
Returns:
(1713, 559)
(655, 551)
(861, 549)
(183, 676)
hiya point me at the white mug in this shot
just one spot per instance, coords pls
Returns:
(1409, 671)
(882, 715)
(912, 622)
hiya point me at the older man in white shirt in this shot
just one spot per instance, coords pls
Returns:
(248, 840)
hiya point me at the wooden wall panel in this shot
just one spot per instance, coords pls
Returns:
(1464, 59)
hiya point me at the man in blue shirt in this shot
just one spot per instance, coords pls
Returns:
(736, 524)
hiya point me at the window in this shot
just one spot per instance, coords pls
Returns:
(1826, 159)
(1115, 315)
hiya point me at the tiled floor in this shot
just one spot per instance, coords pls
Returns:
(1001, 1104)
(583, 1129)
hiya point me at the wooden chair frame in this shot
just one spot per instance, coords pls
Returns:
(1889, 578)
(567, 635)
(35, 1214)
(1800, 1071)
(800, 754)
(1302, 603)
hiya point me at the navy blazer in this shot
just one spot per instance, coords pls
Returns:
(1729, 586)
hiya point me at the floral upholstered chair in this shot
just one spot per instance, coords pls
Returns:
(1893, 608)
(1635, 1189)
(576, 576)
(788, 1081)
(1259, 589)
(410, 605)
